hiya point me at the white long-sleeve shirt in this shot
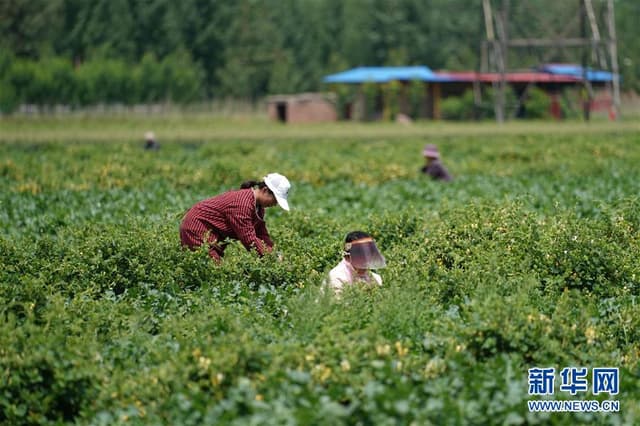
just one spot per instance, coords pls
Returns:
(344, 273)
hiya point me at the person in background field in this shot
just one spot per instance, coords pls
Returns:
(237, 214)
(434, 166)
(359, 257)
(150, 141)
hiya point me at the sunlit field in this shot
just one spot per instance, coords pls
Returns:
(201, 127)
(528, 259)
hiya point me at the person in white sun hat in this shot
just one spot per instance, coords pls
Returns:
(150, 142)
(235, 215)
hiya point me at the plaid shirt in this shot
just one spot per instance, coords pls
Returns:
(232, 214)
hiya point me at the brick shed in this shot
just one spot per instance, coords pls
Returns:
(302, 108)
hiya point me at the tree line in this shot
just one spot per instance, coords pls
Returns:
(77, 52)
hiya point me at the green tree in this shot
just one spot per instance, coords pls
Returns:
(110, 26)
(105, 81)
(28, 27)
(627, 16)
(150, 80)
(203, 27)
(183, 78)
(249, 48)
(8, 97)
(537, 103)
(252, 45)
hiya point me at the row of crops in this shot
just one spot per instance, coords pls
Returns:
(529, 258)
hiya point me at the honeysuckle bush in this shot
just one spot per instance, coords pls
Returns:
(527, 259)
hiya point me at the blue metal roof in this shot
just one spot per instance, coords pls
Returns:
(384, 75)
(423, 73)
(577, 71)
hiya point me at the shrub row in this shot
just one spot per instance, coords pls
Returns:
(106, 320)
(150, 331)
(534, 104)
(56, 81)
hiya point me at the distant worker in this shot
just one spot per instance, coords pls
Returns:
(360, 255)
(434, 166)
(236, 214)
(150, 141)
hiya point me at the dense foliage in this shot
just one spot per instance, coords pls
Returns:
(248, 48)
(528, 258)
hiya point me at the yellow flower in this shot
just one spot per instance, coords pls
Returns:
(321, 372)
(140, 408)
(434, 367)
(345, 365)
(402, 351)
(590, 334)
(31, 187)
(204, 362)
(217, 379)
(383, 350)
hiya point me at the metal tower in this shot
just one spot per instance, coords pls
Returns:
(579, 31)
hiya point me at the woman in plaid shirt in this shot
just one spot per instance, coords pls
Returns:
(235, 215)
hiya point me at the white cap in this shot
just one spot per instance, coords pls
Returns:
(280, 186)
(149, 135)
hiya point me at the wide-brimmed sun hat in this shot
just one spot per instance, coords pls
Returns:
(279, 185)
(430, 151)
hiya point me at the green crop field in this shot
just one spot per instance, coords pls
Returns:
(528, 259)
